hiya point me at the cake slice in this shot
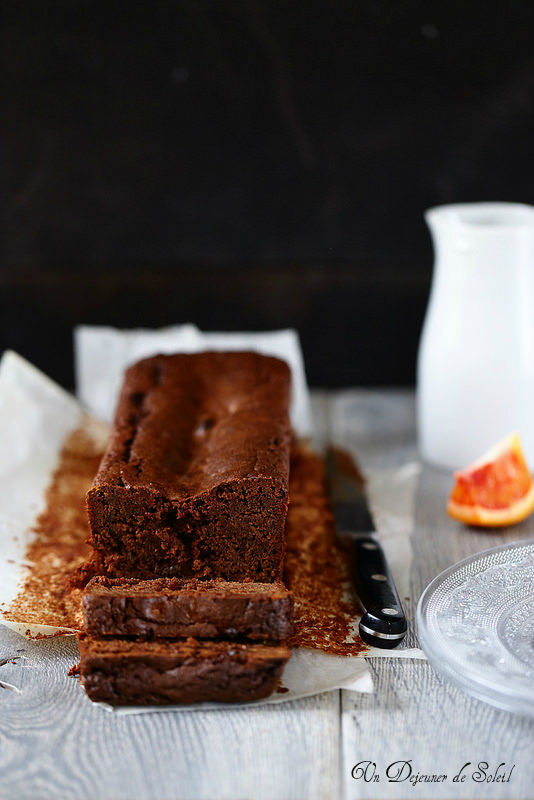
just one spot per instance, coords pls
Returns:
(126, 672)
(194, 482)
(175, 608)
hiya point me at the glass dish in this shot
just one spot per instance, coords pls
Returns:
(476, 626)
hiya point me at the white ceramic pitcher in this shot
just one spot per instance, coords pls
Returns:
(475, 369)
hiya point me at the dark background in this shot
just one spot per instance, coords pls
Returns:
(249, 165)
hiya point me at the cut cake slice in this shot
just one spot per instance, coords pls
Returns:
(175, 608)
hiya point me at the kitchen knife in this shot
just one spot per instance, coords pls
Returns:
(383, 623)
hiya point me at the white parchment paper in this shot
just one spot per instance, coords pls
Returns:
(36, 416)
(102, 354)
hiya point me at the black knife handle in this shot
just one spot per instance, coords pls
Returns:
(383, 623)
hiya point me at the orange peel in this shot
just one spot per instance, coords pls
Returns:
(495, 490)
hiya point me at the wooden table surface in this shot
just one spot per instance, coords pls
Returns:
(55, 744)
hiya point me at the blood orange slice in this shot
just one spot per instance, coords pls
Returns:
(496, 490)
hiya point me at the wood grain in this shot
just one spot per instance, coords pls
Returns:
(417, 715)
(55, 743)
(414, 713)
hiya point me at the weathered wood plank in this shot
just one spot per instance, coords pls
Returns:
(415, 714)
(55, 743)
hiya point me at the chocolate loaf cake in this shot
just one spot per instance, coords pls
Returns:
(127, 672)
(173, 608)
(194, 482)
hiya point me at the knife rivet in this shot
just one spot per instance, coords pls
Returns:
(391, 612)
(369, 546)
(378, 577)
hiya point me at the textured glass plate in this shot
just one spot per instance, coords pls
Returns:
(476, 625)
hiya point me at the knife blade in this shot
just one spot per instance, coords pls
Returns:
(383, 623)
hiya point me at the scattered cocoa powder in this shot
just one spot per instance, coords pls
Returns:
(316, 567)
(59, 545)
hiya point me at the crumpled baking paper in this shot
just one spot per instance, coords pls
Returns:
(36, 417)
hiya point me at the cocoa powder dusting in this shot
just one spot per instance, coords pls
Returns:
(316, 567)
(59, 545)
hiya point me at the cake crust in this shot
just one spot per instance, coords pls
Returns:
(194, 482)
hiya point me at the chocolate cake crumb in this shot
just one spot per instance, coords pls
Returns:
(194, 481)
(168, 608)
(124, 671)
